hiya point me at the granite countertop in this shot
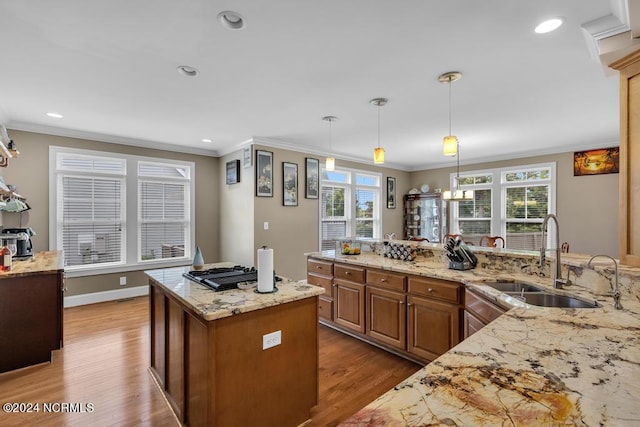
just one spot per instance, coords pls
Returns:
(532, 366)
(40, 262)
(212, 305)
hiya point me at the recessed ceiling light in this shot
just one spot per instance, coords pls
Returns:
(549, 25)
(206, 140)
(55, 115)
(231, 20)
(185, 70)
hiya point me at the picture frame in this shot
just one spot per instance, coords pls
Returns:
(264, 173)
(233, 172)
(596, 162)
(312, 178)
(289, 184)
(246, 157)
(391, 192)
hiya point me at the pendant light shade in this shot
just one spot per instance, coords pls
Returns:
(450, 142)
(378, 152)
(450, 145)
(330, 161)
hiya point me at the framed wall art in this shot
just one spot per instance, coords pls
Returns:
(312, 178)
(233, 172)
(289, 184)
(391, 192)
(596, 162)
(246, 157)
(264, 173)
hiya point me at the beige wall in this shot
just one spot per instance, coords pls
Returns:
(30, 173)
(294, 231)
(586, 206)
(236, 214)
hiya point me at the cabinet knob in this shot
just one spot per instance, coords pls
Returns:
(347, 273)
(318, 266)
(408, 304)
(430, 289)
(334, 285)
(383, 280)
(401, 302)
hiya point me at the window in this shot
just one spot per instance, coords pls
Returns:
(109, 219)
(349, 206)
(509, 202)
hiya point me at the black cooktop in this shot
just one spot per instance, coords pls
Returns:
(223, 278)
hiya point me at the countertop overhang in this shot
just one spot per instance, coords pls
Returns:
(211, 305)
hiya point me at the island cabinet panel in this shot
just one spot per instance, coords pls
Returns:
(348, 272)
(443, 290)
(158, 321)
(350, 302)
(433, 327)
(175, 356)
(217, 372)
(323, 268)
(386, 316)
(325, 303)
(478, 312)
(30, 319)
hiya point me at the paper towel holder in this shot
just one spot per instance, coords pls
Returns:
(275, 289)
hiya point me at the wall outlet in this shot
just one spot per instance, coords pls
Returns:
(123, 280)
(266, 225)
(271, 340)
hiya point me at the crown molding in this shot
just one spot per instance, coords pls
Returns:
(274, 143)
(112, 139)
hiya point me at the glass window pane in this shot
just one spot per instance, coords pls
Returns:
(364, 203)
(333, 202)
(362, 179)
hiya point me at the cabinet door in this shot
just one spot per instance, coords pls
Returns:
(386, 316)
(471, 324)
(433, 327)
(349, 305)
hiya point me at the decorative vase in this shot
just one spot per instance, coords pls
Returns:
(198, 261)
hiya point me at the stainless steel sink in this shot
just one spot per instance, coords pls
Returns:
(514, 287)
(545, 299)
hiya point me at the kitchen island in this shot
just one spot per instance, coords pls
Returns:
(214, 358)
(31, 310)
(531, 366)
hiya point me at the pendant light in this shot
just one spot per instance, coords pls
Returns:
(330, 162)
(378, 152)
(450, 142)
(451, 146)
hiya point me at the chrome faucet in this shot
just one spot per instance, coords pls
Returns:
(614, 289)
(558, 281)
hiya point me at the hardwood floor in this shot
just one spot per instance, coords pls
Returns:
(102, 370)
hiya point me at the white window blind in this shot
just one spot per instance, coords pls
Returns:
(164, 220)
(90, 210)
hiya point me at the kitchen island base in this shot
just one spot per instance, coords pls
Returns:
(216, 373)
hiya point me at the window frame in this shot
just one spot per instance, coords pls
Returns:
(130, 190)
(351, 187)
(498, 188)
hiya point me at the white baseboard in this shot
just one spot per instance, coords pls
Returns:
(95, 297)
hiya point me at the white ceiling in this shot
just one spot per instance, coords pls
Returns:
(110, 68)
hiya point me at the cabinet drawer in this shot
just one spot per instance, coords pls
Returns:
(481, 308)
(353, 274)
(325, 308)
(320, 267)
(387, 280)
(436, 288)
(325, 282)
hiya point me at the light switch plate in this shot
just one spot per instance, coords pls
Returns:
(266, 225)
(123, 280)
(271, 340)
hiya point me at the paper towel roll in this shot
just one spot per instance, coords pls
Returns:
(265, 269)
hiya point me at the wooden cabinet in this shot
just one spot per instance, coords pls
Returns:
(629, 215)
(386, 316)
(30, 319)
(416, 317)
(433, 324)
(478, 312)
(433, 327)
(217, 372)
(349, 299)
(320, 273)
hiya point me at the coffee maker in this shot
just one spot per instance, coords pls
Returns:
(22, 237)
